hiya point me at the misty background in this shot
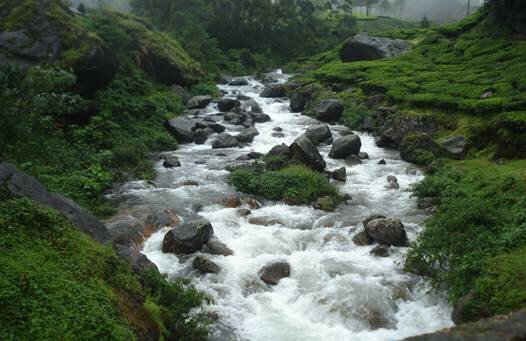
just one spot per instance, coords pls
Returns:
(437, 11)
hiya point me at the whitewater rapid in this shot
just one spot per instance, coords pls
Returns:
(337, 290)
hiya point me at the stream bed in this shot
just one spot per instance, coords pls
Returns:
(337, 290)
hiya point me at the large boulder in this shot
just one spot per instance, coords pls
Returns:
(272, 273)
(182, 128)
(365, 47)
(306, 152)
(159, 219)
(329, 110)
(202, 134)
(260, 117)
(319, 133)
(17, 184)
(387, 231)
(345, 146)
(397, 126)
(420, 148)
(274, 91)
(138, 261)
(205, 265)
(199, 102)
(125, 230)
(187, 238)
(280, 150)
(227, 104)
(216, 247)
(299, 100)
(247, 135)
(252, 106)
(225, 140)
(457, 146)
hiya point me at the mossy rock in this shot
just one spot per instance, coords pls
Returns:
(421, 149)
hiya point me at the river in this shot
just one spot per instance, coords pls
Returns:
(337, 290)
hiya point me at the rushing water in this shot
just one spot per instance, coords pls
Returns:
(337, 290)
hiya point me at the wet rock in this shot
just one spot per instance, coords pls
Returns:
(371, 218)
(299, 100)
(182, 128)
(279, 129)
(381, 251)
(274, 91)
(278, 135)
(304, 151)
(260, 117)
(250, 156)
(157, 220)
(363, 155)
(225, 140)
(347, 197)
(457, 146)
(227, 104)
(187, 238)
(340, 174)
(14, 183)
(382, 162)
(252, 106)
(265, 221)
(232, 202)
(377, 320)
(365, 47)
(225, 79)
(280, 150)
(399, 126)
(198, 102)
(203, 124)
(353, 160)
(170, 161)
(243, 97)
(425, 203)
(244, 212)
(345, 146)
(247, 135)
(387, 231)
(253, 203)
(272, 273)
(362, 239)
(415, 145)
(392, 182)
(140, 263)
(235, 118)
(216, 247)
(325, 204)
(410, 170)
(205, 265)
(190, 183)
(238, 81)
(319, 133)
(125, 230)
(329, 110)
(201, 135)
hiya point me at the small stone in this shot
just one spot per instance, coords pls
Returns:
(382, 162)
(380, 251)
(340, 174)
(244, 212)
(205, 265)
(190, 183)
(274, 272)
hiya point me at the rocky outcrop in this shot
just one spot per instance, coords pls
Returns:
(329, 110)
(199, 102)
(365, 47)
(345, 146)
(304, 151)
(510, 13)
(187, 238)
(319, 133)
(272, 273)
(125, 230)
(387, 231)
(511, 327)
(18, 184)
(418, 148)
(225, 140)
(182, 128)
(227, 104)
(397, 126)
(274, 91)
(457, 146)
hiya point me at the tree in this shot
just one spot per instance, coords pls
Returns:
(469, 8)
(82, 8)
(425, 22)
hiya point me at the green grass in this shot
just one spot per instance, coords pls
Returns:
(475, 240)
(294, 184)
(57, 283)
(382, 25)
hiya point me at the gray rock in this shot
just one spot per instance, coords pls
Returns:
(281, 150)
(216, 247)
(398, 126)
(199, 102)
(244, 212)
(364, 47)
(201, 135)
(387, 231)
(363, 155)
(225, 140)
(414, 145)
(362, 239)
(319, 133)
(125, 230)
(329, 110)
(345, 146)
(18, 184)
(227, 104)
(299, 100)
(381, 251)
(203, 124)
(247, 135)
(340, 174)
(182, 93)
(225, 79)
(382, 162)
(456, 145)
(274, 91)
(353, 160)
(304, 151)
(157, 220)
(425, 203)
(260, 117)
(187, 238)
(252, 106)
(272, 273)
(170, 161)
(182, 128)
(265, 221)
(140, 263)
(238, 81)
(392, 182)
(371, 218)
(205, 265)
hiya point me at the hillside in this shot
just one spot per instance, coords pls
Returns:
(466, 79)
